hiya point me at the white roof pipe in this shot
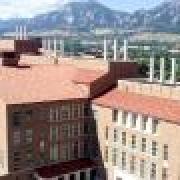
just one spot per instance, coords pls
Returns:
(151, 72)
(162, 70)
(62, 47)
(125, 50)
(105, 49)
(55, 47)
(17, 32)
(49, 45)
(25, 32)
(173, 72)
(115, 49)
(21, 33)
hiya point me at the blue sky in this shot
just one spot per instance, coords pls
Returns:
(28, 8)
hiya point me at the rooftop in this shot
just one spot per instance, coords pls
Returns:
(161, 108)
(37, 83)
(64, 168)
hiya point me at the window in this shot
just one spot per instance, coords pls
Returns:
(165, 153)
(54, 134)
(124, 138)
(134, 120)
(28, 136)
(106, 133)
(106, 154)
(142, 168)
(65, 131)
(86, 128)
(154, 126)
(54, 152)
(164, 174)
(115, 115)
(18, 117)
(76, 110)
(115, 135)
(42, 146)
(53, 114)
(144, 123)
(132, 165)
(64, 152)
(124, 117)
(133, 142)
(16, 137)
(86, 110)
(65, 114)
(154, 148)
(153, 171)
(123, 160)
(75, 150)
(143, 145)
(114, 156)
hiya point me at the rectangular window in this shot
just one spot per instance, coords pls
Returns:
(114, 156)
(144, 123)
(107, 133)
(54, 134)
(115, 115)
(133, 142)
(54, 152)
(123, 160)
(65, 112)
(86, 110)
(115, 135)
(142, 168)
(76, 110)
(65, 131)
(134, 120)
(124, 138)
(153, 171)
(17, 137)
(106, 154)
(132, 165)
(154, 148)
(53, 114)
(143, 145)
(28, 136)
(124, 117)
(164, 174)
(154, 126)
(165, 153)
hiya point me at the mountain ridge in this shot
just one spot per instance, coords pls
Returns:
(84, 16)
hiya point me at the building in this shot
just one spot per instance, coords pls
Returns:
(68, 119)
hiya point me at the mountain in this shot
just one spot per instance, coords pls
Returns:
(84, 16)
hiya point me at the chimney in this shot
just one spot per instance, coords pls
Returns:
(105, 49)
(173, 73)
(162, 70)
(151, 73)
(125, 50)
(115, 49)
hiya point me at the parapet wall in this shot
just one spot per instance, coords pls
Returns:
(150, 89)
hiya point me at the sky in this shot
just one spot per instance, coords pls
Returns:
(29, 8)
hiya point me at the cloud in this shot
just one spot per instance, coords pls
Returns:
(27, 8)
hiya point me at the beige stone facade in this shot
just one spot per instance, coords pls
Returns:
(164, 154)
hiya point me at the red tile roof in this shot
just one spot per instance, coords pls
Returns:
(65, 168)
(44, 83)
(165, 109)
